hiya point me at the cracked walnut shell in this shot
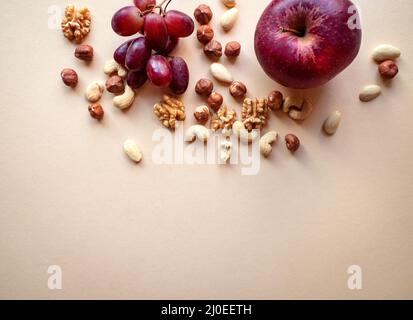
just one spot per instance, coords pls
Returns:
(76, 23)
(169, 111)
(223, 119)
(254, 113)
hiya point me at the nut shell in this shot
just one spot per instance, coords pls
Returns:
(69, 77)
(233, 49)
(215, 101)
(205, 34)
(237, 89)
(203, 14)
(204, 87)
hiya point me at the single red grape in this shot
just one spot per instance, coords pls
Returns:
(144, 4)
(120, 53)
(170, 45)
(180, 75)
(179, 24)
(156, 31)
(136, 79)
(127, 21)
(138, 54)
(159, 71)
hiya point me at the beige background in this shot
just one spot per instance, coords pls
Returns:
(70, 197)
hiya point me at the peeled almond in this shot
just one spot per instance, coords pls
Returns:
(332, 123)
(132, 151)
(386, 52)
(229, 18)
(221, 73)
(369, 93)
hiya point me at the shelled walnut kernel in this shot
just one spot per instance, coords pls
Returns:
(169, 111)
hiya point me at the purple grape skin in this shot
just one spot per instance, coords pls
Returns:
(136, 79)
(138, 54)
(156, 31)
(180, 75)
(127, 21)
(179, 24)
(120, 53)
(159, 71)
(170, 45)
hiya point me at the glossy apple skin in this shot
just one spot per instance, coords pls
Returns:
(324, 47)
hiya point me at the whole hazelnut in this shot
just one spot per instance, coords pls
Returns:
(203, 14)
(215, 101)
(388, 69)
(96, 111)
(213, 49)
(204, 87)
(237, 89)
(275, 100)
(84, 52)
(205, 34)
(233, 49)
(292, 142)
(201, 114)
(115, 84)
(69, 77)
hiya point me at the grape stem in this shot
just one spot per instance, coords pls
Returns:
(162, 11)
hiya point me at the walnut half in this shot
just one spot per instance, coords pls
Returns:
(169, 111)
(223, 119)
(254, 113)
(76, 23)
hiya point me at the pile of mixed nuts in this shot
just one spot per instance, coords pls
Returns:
(254, 113)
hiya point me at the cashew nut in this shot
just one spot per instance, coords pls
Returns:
(302, 114)
(197, 132)
(226, 149)
(112, 67)
(292, 102)
(94, 91)
(125, 100)
(132, 150)
(266, 142)
(243, 134)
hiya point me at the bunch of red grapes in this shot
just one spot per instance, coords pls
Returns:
(147, 57)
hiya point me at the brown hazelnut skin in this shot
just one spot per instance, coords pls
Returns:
(213, 49)
(215, 101)
(388, 69)
(96, 111)
(203, 14)
(84, 52)
(204, 87)
(275, 100)
(205, 34)
(115, 85)
(69, 77)
(237, 89)
(201, 114)
(292, 142)
(233, 49)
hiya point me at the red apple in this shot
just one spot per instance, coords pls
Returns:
(305, 43)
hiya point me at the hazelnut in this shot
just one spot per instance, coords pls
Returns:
(203, 14)
(96, 111)
(388, 69)
(201, 114)
(215, 101)
(69, 77)
(84, 52)
(205, 34)
(233, 49)
(204, 87)
(213, 49)
(237, 89)
(275, 100)
(115, 84)
(292, 142)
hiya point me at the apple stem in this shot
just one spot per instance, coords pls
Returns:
(296, 32)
